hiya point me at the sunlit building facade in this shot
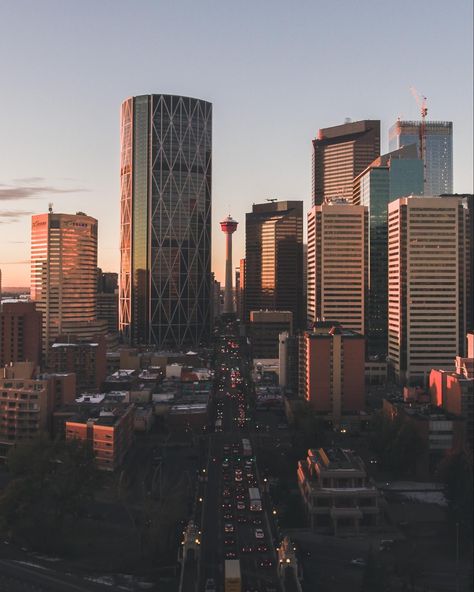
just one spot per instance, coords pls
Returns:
(64, 272)
(438, 151)
(165, 245)
(428, 256)
(337, 264)
(273, 276)
(340, 153)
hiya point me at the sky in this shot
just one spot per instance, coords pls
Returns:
(276, 71)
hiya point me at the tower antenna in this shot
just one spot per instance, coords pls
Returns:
(421, 102)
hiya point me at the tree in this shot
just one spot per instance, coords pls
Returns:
(51, 481)
(456, 472)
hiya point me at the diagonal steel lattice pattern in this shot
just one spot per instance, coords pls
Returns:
(166, 170)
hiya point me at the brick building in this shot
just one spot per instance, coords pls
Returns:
(20, 333)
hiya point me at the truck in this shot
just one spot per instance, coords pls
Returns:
(255, 502)
(232, 579)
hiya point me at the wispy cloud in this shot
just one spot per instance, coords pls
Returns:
(30, 188)
(14, 213)
(29, 180)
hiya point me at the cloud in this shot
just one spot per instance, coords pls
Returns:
(20, 262)
(29, 180)
(26, 191)
(14, 213)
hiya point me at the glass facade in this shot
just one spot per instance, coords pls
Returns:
(438, 151)
(63, 271)
(388, 178)
(166, 167)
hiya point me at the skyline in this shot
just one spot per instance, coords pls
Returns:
(60, 143)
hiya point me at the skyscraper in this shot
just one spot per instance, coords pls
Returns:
(390, 176)
(64, 272)
(438, 151)
(274, 259)
(337, 264)
(340, 153)
(427, 252)
(165, 269)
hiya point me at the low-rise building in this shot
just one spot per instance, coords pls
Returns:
(337, 493)
(265, 327)
(439, 431)
(107, 427)
(28, 402)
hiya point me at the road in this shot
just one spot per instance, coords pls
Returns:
(226, 489)
(17, 576)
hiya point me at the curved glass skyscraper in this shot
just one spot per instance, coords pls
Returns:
(165, 180)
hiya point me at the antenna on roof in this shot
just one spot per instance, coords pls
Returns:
(271, 199)
(50, 207)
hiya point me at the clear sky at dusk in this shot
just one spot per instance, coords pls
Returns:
(275, 72)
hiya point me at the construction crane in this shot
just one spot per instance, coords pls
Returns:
(271, 199)
(421, 102)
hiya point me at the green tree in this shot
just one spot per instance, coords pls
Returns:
(51, 481)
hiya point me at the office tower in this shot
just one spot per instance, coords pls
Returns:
(332, 370)
(274, 259)
(165, 268)
(265, 327)
(427, 251)
(228, 227)
(64, 272)
(237, 291)
(340, 153)
(337, 264)
(390, 176)
(20, 333)
(107, 299)
(438, 149)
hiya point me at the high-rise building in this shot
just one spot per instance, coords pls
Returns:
(274, 259)
(64, 272)
(427, 251)
(165, 269)
(20, 333)
(390, 176)
(241, 295)
(438, 151)
(332, 370)
(265, 327)
(340, 153)
(107, 299)
(337, 264)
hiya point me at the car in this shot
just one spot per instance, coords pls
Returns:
(257, 521)
(229, 541)
(210, 585)
(228, 527)
(259, 533)
(359, 562)
(266, 563)
(242, 519)
(230, 554)
(262, 548)
(228, 516)
(240, 505)
(225, 464)
(239, 496)
(238, 478)
(246, 549)
(226, 506)
(226, 493)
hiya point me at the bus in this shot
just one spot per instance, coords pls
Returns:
(246, 448)
(255, 504)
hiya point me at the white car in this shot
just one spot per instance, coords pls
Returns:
(259, 533)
